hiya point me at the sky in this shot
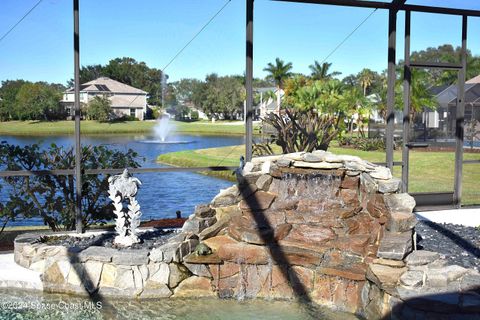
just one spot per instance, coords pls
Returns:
(41, 47)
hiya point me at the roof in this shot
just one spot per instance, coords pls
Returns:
(265, 89)
(472, 93)
(474, 80)
(104, 84)
(123, 101)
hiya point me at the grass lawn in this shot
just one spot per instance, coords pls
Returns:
(429, 171)
(94, 127)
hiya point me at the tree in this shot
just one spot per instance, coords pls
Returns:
(366, 78)
(324, 96)
(37, 101)
(89, 73)
(185, 89)
(277, 73)
(420, 95)
(51, 197)
(320, 71)
(222, 97)
(316, 114)
(129, 71)
(446, 53)
(8, 93)
(357, 109)
(99, 108)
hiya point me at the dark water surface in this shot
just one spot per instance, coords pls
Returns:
(38, 306)
(161, 194)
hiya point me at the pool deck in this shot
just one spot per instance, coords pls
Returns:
(14, 276)
(466, 217)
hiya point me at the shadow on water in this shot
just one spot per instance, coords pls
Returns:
(453, 304)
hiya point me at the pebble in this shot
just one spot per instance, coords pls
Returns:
(148, 240)
(459, 244)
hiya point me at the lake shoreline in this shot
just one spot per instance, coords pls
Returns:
(88, 127)
(162, 193)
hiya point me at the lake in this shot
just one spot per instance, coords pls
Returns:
(161, 194)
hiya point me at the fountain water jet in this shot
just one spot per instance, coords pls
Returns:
(161, 132)
(162, 129)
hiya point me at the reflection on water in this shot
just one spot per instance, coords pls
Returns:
(52, 306)
(162, 194)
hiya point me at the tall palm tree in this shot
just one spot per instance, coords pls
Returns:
(320, 71)
(357, 109)
(366, 79)
(278, 72)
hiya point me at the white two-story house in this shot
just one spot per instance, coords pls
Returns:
(125, 100)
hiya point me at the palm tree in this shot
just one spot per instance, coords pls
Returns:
(357, 109)
(366, 79)
(320, 71)
(278, 72)
(420, 96)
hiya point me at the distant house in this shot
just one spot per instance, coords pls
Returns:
(443, 117)
(439, 123)
(267, 105)
(125, 100)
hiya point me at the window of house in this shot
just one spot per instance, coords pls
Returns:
(132, 112)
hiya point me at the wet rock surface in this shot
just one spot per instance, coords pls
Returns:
(456, 243)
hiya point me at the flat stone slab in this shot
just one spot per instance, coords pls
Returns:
(421, 257)
(384, 276)
(412, 279)
(131, 257)
(97, 253)
(401, 221)
(260, 200)
(318, 165)
(193, 258)
(14, 276)
(389, 186)
(395, 246)
(381, 173)
(400, 202)
(390, 263)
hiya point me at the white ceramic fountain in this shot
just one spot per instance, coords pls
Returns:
(123, 189)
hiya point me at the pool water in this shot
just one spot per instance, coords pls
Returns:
(31, 305)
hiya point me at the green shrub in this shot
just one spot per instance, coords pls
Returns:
(362, 143)
(194, 116)
(302, 130)
(99, 108)
(52, 197)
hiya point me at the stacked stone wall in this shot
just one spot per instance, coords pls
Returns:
(326, 228)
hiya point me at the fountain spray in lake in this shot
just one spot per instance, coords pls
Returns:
(162, 129)
(161, 132)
